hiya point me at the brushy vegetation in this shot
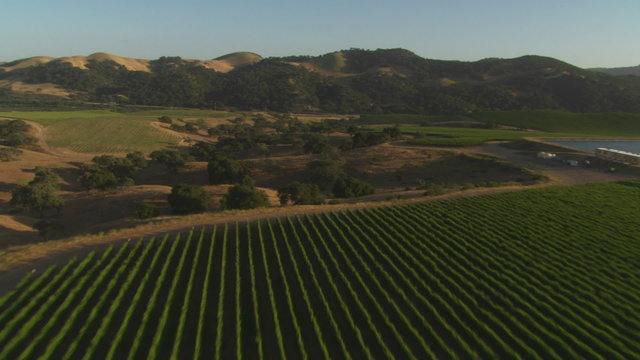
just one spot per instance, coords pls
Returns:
(538, 274)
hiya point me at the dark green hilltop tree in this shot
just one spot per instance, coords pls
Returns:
(188, 198)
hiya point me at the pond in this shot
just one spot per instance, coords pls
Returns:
(590, 145)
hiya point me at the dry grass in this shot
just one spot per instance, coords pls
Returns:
(24, 63)
(223, 64)
(41, 89)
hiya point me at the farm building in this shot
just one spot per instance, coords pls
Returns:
(546, 155)
(618, 155)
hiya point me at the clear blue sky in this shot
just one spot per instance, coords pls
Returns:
(587, 33)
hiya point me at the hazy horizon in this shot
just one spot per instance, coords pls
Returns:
(583, 33)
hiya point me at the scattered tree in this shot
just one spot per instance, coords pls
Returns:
(187, 198)
(223, 170)
(364, 139)
(147, 211)
(325, 171)
(95, 177)
(137, 159)
(316, 144)
(47, 229)
(174, 160)
(203, 151)
(40, 194)
(9, 154)
(165, 119)
(244, 196)
(20, 139)
(393, 131)
(109, 172)
(301, 194)
(347, 187)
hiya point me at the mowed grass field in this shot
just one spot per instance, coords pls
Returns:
(597, 124)
(103, 131)
(454, 136)
(535, 123)
(538, 274)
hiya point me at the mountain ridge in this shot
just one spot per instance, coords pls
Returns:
(619, 71)
(223, 63)
(353, 80)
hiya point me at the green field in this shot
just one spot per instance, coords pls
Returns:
(452, 136)
(606, 124)
(538, 274)
(417, 119)
(103, 131)
(545, 123)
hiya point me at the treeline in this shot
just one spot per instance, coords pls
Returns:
(379, 81)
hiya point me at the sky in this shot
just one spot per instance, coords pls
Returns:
(586, 33)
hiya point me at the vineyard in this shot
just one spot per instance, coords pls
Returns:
(538, 274)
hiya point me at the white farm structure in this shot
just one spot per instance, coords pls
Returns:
(546, 155)
(618, 155)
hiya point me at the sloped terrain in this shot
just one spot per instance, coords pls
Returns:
(540, 274)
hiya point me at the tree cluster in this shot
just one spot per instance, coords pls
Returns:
(174, 160)
(109, 172)
(224, 170)
(299, 193)
(347, 187)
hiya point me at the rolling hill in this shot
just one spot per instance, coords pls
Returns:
(347, 81)
(620, 71)
(222, 64)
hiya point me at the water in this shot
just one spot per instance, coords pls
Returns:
(590, 145)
